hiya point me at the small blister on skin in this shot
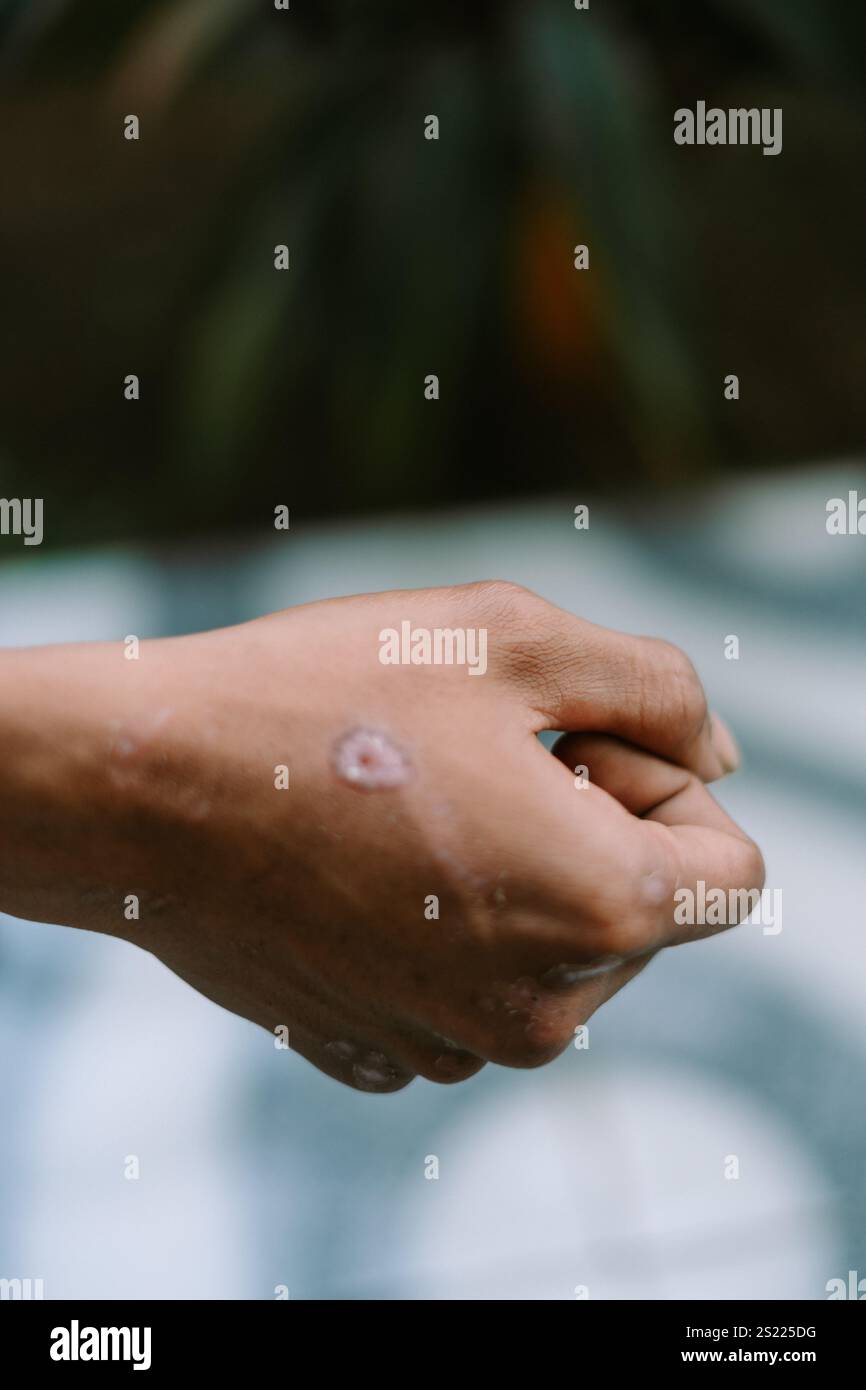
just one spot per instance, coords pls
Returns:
(368, 759)
(374, 1072)
(566, 976)
(371, 1070)
(656, 889)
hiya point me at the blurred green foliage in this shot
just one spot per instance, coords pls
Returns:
(411, 256)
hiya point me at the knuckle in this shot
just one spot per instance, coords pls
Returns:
(499, 598)
(755, 871)
(623, 923)
(448, 1067)
(680, 689)
(531, 1041)
(625, 936)
(519, 1052)
(517, 621)
(376, 1085)
(365, 1069)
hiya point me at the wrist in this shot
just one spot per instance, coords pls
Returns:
(63, 815)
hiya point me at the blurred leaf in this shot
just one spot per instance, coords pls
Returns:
(171, 42)
(589, 120)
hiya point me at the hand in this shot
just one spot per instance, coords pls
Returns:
(432, 890)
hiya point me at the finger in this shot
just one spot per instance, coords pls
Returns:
(437, 1058)
(371, 1044)
(660, 791)
(646, 786)
(647, 692)
(613, 876)
(580, 676)
(357, 1065)
(391, 1061)
(528, 1021)
(373, 1056)
(638, 780)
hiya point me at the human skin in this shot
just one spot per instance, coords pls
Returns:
(309, 908)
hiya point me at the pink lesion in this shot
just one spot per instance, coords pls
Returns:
(370, 760)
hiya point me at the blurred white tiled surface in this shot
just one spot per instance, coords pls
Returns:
(616, 1184)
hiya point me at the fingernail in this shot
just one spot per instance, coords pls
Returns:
(725, 744)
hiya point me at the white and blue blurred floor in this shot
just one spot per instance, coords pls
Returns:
(606, 1170)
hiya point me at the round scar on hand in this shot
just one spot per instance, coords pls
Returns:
(368, 759)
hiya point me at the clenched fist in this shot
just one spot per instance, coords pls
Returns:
(338, 820)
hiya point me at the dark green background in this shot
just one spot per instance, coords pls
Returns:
(411, 257)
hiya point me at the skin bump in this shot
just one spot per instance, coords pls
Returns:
(566, 976)
(374, 1072)
(369, 760)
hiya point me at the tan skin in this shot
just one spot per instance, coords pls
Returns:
(309, 908)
